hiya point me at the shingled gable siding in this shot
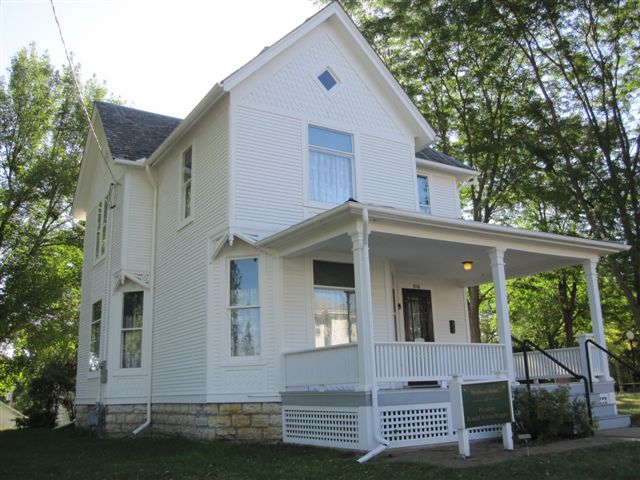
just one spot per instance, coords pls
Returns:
(180, 349)
(272, 119)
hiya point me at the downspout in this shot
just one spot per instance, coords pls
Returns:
(375, 407)
(152, 270)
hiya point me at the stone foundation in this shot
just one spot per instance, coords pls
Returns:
(255, 422)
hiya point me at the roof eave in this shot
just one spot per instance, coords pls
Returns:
(459, 172)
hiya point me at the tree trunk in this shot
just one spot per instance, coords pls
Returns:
(473, 304)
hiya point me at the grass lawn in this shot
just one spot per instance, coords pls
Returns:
(40, 454)
(629, 404)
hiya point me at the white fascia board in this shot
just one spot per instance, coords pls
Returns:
(461, 174)
(591, 248)
(130, 163)
(425, 135)
(209, 100)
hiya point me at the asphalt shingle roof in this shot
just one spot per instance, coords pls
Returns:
(435, 156)
(131, 133)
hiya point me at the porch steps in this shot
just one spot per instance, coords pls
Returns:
(613, 421)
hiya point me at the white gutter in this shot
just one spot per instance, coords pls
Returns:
(154, 219)
(383, 443)
(459, 172)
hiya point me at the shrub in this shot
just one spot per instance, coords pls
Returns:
(548, 415)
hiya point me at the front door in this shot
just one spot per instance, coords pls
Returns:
(418, 316)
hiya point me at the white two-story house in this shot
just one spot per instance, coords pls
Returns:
(289, 261)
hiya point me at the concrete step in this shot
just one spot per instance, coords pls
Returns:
(613, 421)
(603, 410)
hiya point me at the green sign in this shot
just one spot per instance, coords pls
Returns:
(486, 404)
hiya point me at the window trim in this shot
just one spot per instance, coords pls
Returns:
(102, 226)
(426, 206)
(122, 330)
(308, 201)
(182, 186)
(93, 322)
(227, 345)
(332, 72)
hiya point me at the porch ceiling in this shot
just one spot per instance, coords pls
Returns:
(442, 260)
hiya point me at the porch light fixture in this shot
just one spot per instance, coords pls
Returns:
(467, 265)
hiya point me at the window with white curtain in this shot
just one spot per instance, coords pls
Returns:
(94, 341)
(330, 165)
(424, 200)
(334, 303)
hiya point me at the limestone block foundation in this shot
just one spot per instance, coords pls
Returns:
(254, 422)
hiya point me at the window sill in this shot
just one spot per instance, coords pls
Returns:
(243, 362)
(129, 372)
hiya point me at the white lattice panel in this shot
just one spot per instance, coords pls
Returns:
(328, 427)
(409, 425)
(488, 431)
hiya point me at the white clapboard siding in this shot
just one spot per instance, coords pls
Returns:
(444, 196)
(268, 166)
(387, 172)
(297, 324)
(449, 304)
(180, 323)
(138, 218)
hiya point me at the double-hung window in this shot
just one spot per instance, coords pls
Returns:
(330, 165)
(185, 193)
(101, 227)
(94, 341)
(334, 303)
(244, 307)
(131, 354)
(424, 202)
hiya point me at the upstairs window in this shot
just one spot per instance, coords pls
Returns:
(424, 201)
(101, 227)
(330, 165)
(244, 307)
(185, 194)
(131, 356)
(334, 303)
(94, 340)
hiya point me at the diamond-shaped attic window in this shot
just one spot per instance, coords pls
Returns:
(327, 80)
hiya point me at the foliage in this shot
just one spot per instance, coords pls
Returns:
(548, 415)
(629, 404)
(42, 131)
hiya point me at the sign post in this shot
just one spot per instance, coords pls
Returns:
(479, 404)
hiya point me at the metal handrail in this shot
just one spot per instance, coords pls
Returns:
(612, 355)
(527, 342)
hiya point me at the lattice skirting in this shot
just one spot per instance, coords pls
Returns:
(337, 427)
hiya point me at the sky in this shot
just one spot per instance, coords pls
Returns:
(156, 55)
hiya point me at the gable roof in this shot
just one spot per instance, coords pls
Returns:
(133, 134)
(428, 153)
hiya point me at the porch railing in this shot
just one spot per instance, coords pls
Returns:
(420, 361)
(336, 365)
(541, 367)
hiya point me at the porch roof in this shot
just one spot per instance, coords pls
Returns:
(430, 245)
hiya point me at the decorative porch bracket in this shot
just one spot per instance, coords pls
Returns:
(502, 308)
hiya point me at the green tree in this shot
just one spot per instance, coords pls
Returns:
(584, 56)
(42, 132)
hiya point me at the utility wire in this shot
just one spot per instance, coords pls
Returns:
(80, 97)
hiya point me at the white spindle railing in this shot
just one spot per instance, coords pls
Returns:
(337, 365)
(542, 367)
(416, 361)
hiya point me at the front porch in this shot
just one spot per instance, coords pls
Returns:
(385, 389)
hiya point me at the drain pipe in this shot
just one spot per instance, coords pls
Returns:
(152, 269)
(375, 407)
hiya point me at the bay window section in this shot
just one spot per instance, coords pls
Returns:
(244, 307)
(94, 340)
(334, 303)
(330, 165)
(132, 329)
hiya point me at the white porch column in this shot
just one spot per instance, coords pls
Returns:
(364, 307)
(502, 307)
(597, 322)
